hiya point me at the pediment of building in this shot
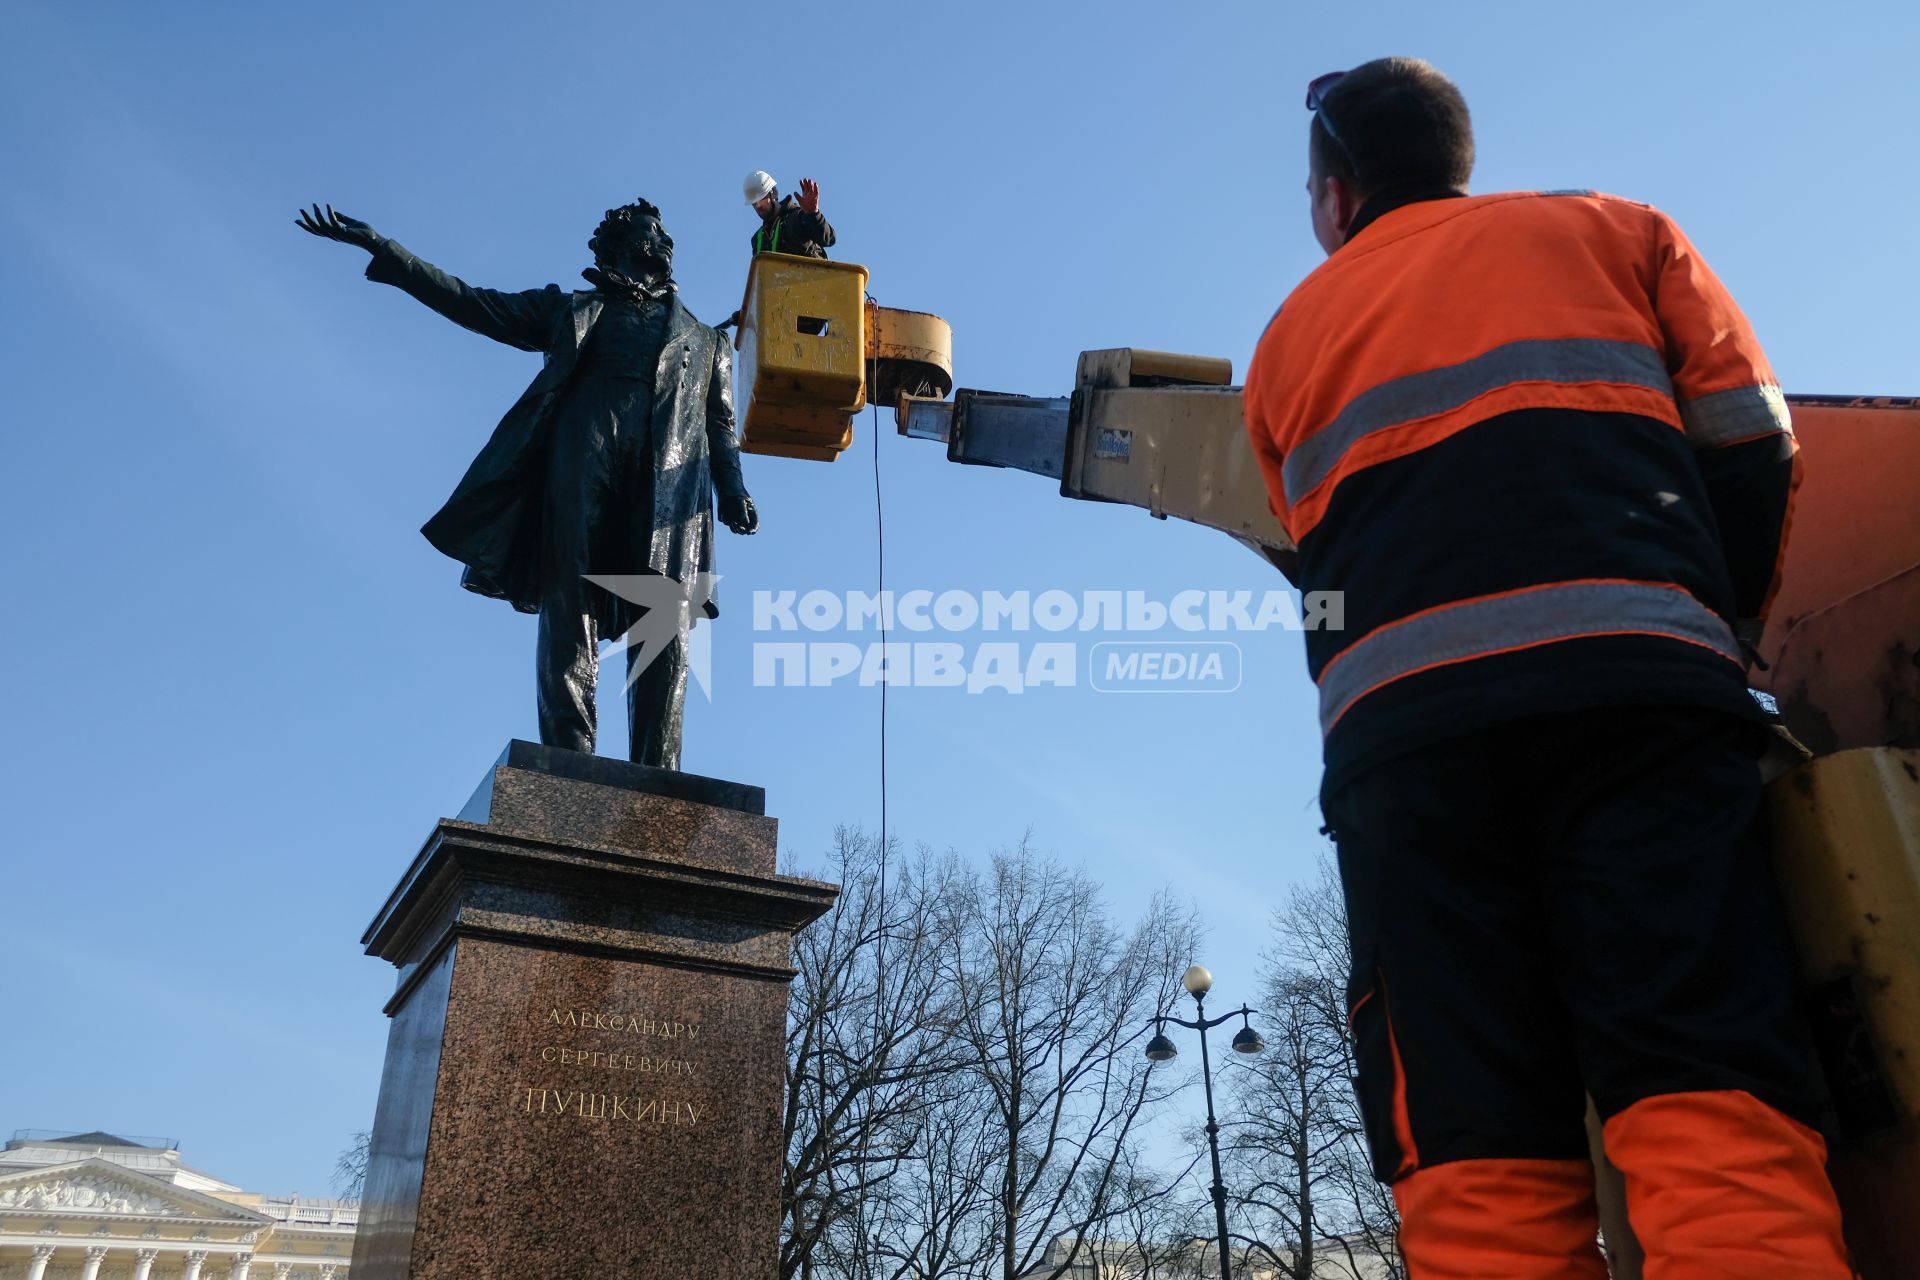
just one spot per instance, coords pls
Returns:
(98, 1188)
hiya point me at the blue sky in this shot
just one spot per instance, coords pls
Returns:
(239, 687)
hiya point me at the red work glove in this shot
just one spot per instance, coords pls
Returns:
(809, 195)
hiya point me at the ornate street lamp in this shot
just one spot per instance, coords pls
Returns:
(1198, 982)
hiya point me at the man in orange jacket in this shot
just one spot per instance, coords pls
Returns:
(1536, 445)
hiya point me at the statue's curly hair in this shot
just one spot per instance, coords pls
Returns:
(617, 227)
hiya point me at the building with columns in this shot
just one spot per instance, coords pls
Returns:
(93, 1206)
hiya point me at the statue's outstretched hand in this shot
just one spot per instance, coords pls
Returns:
(737, 514)
(337, 226)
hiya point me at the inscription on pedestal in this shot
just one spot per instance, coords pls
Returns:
(545, 1099)
(610, 1106)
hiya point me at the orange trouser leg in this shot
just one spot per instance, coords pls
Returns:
(1500, 1220)
(1721, 1186)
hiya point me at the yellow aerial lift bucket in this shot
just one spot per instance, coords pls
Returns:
(814, 351)
(801, 372)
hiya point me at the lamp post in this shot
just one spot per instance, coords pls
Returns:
(1198, 982)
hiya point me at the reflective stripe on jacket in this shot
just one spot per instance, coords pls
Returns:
(1533, 440)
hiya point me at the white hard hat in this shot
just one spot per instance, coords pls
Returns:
(758, 186)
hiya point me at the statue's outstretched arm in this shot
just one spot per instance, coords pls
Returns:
(523, 320)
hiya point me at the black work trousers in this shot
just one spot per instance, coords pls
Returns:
(1571, 904)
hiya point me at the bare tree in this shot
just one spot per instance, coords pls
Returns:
(350, 1170)
(1057, 1000)
(966, 1091)
(1159, 1234)
(928, 1221)
(870, 1033)
(1313, 944)
(1285, 1126)
(1304, 1198)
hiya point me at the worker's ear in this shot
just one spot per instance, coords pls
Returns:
(1345, 201)
(1334, 204)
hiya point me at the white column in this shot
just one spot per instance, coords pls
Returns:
(280, 1270)
(143, 1263)
(241, 1261)
(96, 1254)
(326, 1272)
(194, 1258)
(38, 1268)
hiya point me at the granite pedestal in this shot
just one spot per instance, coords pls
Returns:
(584, 1068)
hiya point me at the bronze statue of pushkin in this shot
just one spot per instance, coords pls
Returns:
(592, 504)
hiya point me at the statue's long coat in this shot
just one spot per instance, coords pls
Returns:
(495, 520)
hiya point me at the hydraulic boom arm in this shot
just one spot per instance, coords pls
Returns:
(1147, 428)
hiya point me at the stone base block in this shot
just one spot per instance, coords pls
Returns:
(584, 1070)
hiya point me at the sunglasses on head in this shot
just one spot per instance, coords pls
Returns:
(1317, 102)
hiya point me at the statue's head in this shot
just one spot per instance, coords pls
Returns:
(631, 240)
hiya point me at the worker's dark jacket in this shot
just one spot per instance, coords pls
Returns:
(792, 229)
(1535, 444)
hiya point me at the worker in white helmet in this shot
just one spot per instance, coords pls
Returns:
(792, 225)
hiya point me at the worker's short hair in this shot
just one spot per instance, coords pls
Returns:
(1400, 122)
(617, 228)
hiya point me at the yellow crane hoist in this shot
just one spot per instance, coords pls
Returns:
(814, 350)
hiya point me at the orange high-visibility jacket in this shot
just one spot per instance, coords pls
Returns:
(1534, 442)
